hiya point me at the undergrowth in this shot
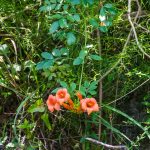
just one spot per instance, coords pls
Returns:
(83, 46)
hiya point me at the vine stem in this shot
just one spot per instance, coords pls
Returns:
(83, 60)
(100, 84)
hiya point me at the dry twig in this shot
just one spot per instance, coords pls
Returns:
(121, 147)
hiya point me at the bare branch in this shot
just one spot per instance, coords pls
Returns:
(121, 147)
(133, 28)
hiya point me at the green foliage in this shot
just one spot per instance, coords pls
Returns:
(74, 44)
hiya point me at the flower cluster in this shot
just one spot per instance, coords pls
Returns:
(62, 98)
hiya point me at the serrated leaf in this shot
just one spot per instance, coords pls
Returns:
(64, 51)
(64, 84)
(36, 107)
(86, 84)
(95, 57)
(65, 7)
(44, 117)
(90, 1)
(75, 2)
(48, 64)
(55, 90)
(76, 17)
(56, 16)
(78, 61)
(63, 23)
(103, 29)
(54, 27)
(56, 52)
(4, 49)
(92, 88)
(108, 23)
(112, 11)
(82, 54)
(94, 83)
(46, 55)
(70, 18)
(92, 92)
(73, 86)
(39, 65)
(108, 5)
(102, 12)
(83, 90)
(71, 39)
(94, 23)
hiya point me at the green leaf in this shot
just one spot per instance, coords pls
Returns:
(44, 117)
(103, 29)
(64, 84)
(95, 57)
(53, 1)
(108, 5)
(75, 2)
(103, 11)
(72, 86)
(76, 17)
(112, 11)
(78, 61)
(83, 90)
(47, 55)
(36, 107)
(92, 92)
(65, 7)
(94, 23)
(70, 18)
(64, 51)
(63, 23)
(92, 88)
(39, 65)
(86, 84)
(71, 39)
(82, 54)
(56, 52)
(108, 23)
(55, 90)
(48, 64)
(54, 27)
(4, 49)
(56, 16)
(94, 83)
(26, 125)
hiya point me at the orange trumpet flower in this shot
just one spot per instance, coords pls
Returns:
(62, 95)
(52, 103)
(89, 105)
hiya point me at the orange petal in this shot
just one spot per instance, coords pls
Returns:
(66, 106)
(79, 95)
(89, 111)
(51, 109)
(57, 106)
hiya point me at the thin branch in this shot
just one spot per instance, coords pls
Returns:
(121, 147)
(129, 92)
(133, 28)
(124, 47)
